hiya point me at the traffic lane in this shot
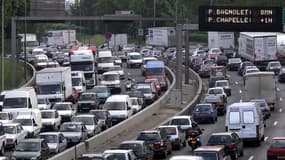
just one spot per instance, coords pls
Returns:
(219, 126)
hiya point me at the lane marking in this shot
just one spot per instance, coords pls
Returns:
(240, 91)
(280, 110)
(278, 89)
(251, 158)
(275, 123)
(236, 82)
(240, 100)
(265, 138)
(281, 99)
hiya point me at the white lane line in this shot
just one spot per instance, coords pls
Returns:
(229, 76)
(236, 82)
(251, 158)
(280, 110)
(240, 91)
(281, 99)
(278, 89)
(275, 123)
(265, 138)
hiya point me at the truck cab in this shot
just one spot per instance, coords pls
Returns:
(78, 81)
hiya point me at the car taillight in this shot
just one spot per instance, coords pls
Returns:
(193, 138)
(231, 145)
(159, 144)
(157, 86)
(257, 132)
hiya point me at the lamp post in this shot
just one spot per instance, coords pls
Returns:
(2, 29)
(154, 12)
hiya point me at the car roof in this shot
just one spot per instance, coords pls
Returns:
(186, 157)
(275, 138)
(132, 141)
(209, 148)
(63, 103)
(32, 140)
(84, 115)
(72, 123)
(50, 133)
(168, 126)
(180, 117)
(111, 72)
(11, 124)
(117, 151)
(222, 81)
(216, 88)
(149, 131)
(221, 133)
(243, 104)
(49, 110)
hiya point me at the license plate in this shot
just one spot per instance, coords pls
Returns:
(151, 145)
(280, 157)
(234, 130)
(193, 142)
(203, 115)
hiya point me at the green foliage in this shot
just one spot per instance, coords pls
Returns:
(201, 37)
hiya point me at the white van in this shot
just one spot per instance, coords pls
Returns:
(18, 99)
(78, 81)
(119, 107)
(246, 120)
(104, 61)
(112, 80)
(31, 120)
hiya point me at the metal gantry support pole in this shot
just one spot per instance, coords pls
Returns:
(178, 84)
(13, 51)
(3, 45)
(187, 54)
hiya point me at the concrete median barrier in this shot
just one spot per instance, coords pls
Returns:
(94, 142)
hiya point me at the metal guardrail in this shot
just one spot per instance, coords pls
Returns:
(31, 69)
(94, 142)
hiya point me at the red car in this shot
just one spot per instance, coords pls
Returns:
(276, 149)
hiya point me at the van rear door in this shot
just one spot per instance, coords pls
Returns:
(249, 123)
(234, 120)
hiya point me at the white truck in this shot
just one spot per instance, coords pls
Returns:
(83, 60)
(118, 40)
(31, 42)
(261, 85)
(225, 40)
(54, 84)
(61, 37)
(258, 47)
(161, 36)
(280, 46)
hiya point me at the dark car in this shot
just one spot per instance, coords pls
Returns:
(32, 148)
(87, 102)
(243, 65)
(141, 149)
(212, 80)
(196, 63)
(205, 112)
(148, 90)
(233, 144)
(221, 60)
(102, 92)
(281, 76)
(264, 107)
(158, 141)
(104, 116)
(233, 64)
(276, 149)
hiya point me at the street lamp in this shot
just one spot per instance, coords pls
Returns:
(154, 12)
(2, 29)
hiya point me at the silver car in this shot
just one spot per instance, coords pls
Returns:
(74, 132)
(176, 136)
(90, 122)
(55, 141)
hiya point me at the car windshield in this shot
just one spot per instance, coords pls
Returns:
(4, 116)
(47, 115)
(111, 77)
(62, 107)
(115, 106)
(135, 102)
(84, 120)
(221, 84)
(207, 155)
(70, 128)
(275, 64)
(201, 108)
(179, 121)
(15, 103)
(105, 60)
(215, 91)
(76, 82)
(87, 97)
(219, 139)
(135, 57)
(49, 138)
(119, 156)
(49, 89)
(144, 90)
(115, 68)
(148, 137)
(28, 147)
(24, 122)
(278, 143)
(10, 129)
(41, 101)
(80, 66)
(100, 89)
(169, 130)
(137, 148)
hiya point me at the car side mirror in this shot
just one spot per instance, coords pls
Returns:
(168, 136)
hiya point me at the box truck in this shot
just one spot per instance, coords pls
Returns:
(31, 42)
(54, 84)
(222, 40)
(161, 36)
(61, 37)
(258, 47)
(261, 85)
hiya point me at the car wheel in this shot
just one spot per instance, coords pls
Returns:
(184, 143)
(3, 149)
(241, 153)
(235, 157)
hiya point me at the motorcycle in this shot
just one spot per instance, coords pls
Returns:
(129, 84)
(194, 139)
